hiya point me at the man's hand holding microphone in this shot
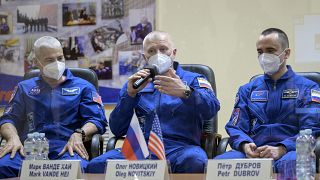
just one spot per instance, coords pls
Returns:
(160, 69)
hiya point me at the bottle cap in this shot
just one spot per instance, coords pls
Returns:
(36, 134)
(308, 131)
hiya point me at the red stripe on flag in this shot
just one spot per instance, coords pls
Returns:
(157, 152)
(127, 150)
(156, 140)
(156, 146)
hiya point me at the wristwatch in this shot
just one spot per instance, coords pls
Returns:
(187, 92)
(81, 131)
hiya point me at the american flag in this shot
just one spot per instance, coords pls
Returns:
(96, 97)
(155, 143)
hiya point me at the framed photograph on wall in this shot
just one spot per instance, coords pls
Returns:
(75, 14)
(112, 9)
(37, 18)
(5, 23)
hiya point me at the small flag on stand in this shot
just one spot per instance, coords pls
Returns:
(155, 139)
(135, 146)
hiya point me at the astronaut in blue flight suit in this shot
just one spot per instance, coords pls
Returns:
(270, 111)
(66, 108)
(181, 99)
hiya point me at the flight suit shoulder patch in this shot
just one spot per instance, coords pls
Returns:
(14, 92)
(204, 83)
(96, 98)
(235, 116)
(315, 95)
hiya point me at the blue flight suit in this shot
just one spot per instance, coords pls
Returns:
(181, 122)
(269, 112)
(57, 112)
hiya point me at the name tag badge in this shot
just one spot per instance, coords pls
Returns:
(140, 169)
(259, 95)
(51, 170)
(290, 93)
(70, 91)
(237, 169)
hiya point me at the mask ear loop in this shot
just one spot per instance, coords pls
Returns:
(283, 58)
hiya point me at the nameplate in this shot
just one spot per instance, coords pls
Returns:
(50, 169)
(142, 169)
(236, 169)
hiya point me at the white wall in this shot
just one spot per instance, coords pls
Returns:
(222, 34)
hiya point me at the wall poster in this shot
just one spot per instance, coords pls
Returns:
(103, 35)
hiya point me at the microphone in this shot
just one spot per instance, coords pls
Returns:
(153, 72)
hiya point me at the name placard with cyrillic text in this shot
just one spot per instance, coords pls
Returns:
(236, 169)
(142, 169)
(50, 169)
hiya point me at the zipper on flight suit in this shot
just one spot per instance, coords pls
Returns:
(274, 85)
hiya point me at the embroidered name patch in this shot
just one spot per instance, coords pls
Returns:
(315, 95)
(70, 91)
(259, 96)
(204, 83)
(290, 93)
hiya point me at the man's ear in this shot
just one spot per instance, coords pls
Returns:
(35, 61)
(174, 52)
(287, 53)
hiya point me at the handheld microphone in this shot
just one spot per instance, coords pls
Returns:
(153, 72)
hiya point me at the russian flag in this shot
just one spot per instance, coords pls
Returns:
(315, 95)
(135, 146)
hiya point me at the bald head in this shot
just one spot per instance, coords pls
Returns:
(156, 36)
(158, 42)
(46, 42)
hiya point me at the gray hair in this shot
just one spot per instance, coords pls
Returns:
(46, 42)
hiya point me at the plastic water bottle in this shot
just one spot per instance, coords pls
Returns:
(37, 146)
(303, 163)
(312, 145)
(29, 147)
(44, 146)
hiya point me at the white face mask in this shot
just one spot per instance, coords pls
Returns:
(161, 61)
(54, 70)
(270, 63)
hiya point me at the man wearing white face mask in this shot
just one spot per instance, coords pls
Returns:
(270, 111)
(56, 103)
(180, 99)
